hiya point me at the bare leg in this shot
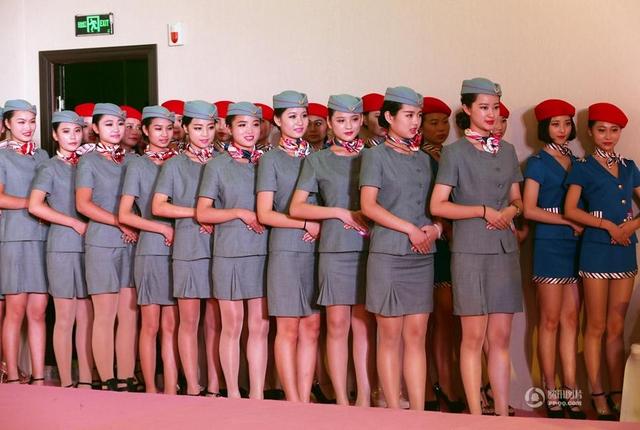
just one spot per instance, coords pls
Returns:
(499, 335)
(84, 326)
(596, 293)
(414, 331)
(188, 341)
(63, 337)
(364, 332)
(338, 325)
(212, 327)
(147, 345)
(126, 333)
(388, 357)
(473, 335)
(285, 347)
(569, 333)
(105, 307)
(258, 323)
(307, 354)
(169, 347)
(445, 325)
(550, 302)
(232, 316)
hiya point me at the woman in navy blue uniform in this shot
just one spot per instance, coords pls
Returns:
(555, 251)
(607, 184)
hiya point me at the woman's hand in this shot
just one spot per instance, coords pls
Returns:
(251, 220)
(420, 241)
(499, 220)
(80, 227)
(354, 220)
(129, 235)
(167, 232)
(206, 228)
(577, 228)
(617, 233)
(312, 231)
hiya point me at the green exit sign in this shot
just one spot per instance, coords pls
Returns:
(90, 25)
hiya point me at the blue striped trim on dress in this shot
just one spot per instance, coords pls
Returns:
(605, 275)
(552, 210)
(555, 281)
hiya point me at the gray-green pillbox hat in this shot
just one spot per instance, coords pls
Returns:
(480, 86)
(290, 99)
(201, 110)
(345, 103)
(245, 108)
(67, 116)
(157, 112)
(109, 109)
(403, 95)
(19, 104)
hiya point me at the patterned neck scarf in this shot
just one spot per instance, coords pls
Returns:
(412, 144)
(353, 147)
(160, 155)
(264, 147)
(28, 148)
(430, 148)
(238, 154)
(116, 152)
(562, 149)
(202, 154)
(72, 158)
(610, 157)
(220, 146)
(490, 144)
(296, 147)
(375, 141)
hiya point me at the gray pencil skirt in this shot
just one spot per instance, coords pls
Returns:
(22, 267)
(342, 278)
(152, 274)
(486, 283)
(239, 278)
(107, 269)
(65, 271)
(291, 284)
(399, 285)
(192, 279)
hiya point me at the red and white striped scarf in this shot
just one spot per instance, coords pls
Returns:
(28, 148)
(252, 155)
(413, 144)
(202, 154)
(296, 147)
(160, 155)
(490, 144)
(116, 152)
(352, 147)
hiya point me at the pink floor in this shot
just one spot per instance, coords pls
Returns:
(24, 407)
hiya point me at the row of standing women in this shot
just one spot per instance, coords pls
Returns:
(362, 232)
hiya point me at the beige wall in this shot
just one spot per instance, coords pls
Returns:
(581, 50)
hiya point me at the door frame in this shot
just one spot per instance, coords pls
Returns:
(49, 59)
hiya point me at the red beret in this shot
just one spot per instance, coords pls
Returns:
(267, 112)
(434, 105)
(223, 107)
(84, 109)
(175, 106)
(553, 107)
(504, 112)
(132, 112)
(372, 102)
(316, 109)
(608, 113)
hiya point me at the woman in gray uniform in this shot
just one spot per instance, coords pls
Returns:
(53, 200)
(175, 197)
(22, 275)
(98, 185)
(291, 291)
(481, 175)
(240, 248)
(152, 270)
(395, 180)
(333, 175)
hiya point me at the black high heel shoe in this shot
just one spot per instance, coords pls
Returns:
(453, 406)
(613, 405)
(316, 390)
(573, 410)
(432, 405)
(603, 415)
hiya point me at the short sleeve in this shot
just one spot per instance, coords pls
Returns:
(210, 183)
(43, 180)
(84, 174)
(267, 174)
(164, 184)
(517, 173)
(3, 169)
(635, 173)
(371, 169)
(578, 175)
(448, 168)
(131, 186)
(307, 181)
(535, 169)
